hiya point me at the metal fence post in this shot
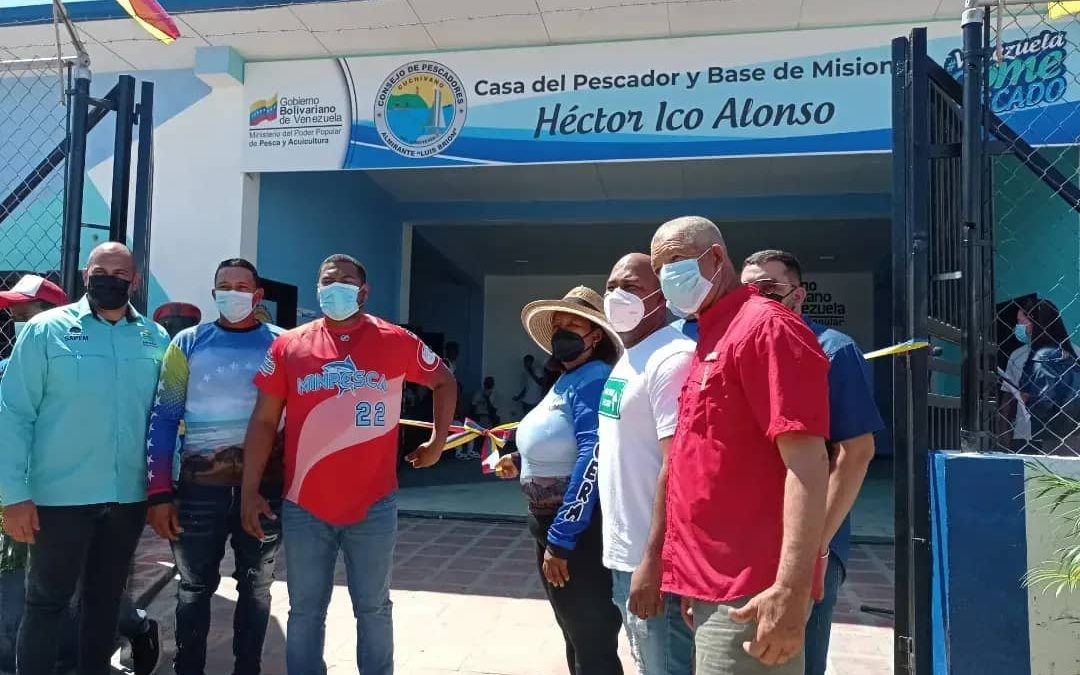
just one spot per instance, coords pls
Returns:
(121, 179)
(76, 168)
(144, 187)
(972, 176)
(901, 243)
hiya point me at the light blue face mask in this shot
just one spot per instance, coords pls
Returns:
(1020, 331)
(679, 314)
(683, 284)
(234, 306)
(339, 301)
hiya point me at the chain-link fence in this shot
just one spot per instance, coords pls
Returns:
(1025, 271)
(32, 174)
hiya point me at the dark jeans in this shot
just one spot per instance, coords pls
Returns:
(819, 628)
(12, 597)
(210, 515)
(95, 542)
(590, 622)
(131, 623)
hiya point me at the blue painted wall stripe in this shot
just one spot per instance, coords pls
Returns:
(939, 509)
(984, 557)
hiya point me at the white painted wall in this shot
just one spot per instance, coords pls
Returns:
(505, 341)
(200, 194)
(1052, 629)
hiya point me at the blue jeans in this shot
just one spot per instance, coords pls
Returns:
(210, 515)
(311, 553)
(661, 645)
(820, 625)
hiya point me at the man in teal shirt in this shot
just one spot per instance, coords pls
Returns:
(74, 406)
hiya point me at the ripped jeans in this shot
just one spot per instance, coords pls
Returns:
(210, 515)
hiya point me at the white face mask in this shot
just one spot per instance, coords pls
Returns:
(234, 306)
(625, 310)
(19, 326)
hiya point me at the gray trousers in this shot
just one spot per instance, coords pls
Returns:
(718, 644)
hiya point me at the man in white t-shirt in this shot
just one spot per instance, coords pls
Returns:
(638, 412)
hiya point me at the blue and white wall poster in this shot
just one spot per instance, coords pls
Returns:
(804, 92)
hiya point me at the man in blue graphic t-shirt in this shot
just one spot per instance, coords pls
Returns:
(206, 383)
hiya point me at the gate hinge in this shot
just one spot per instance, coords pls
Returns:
(906, 646)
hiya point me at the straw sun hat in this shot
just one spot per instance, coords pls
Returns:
(582, 301)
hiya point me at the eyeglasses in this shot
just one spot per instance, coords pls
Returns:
(767, 286)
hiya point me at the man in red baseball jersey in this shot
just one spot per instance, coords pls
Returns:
(340, 379)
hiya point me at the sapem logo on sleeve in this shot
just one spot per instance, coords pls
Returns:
(611, 398)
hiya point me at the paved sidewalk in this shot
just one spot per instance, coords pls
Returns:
(871, 519)
(468, 601)
(154, 567)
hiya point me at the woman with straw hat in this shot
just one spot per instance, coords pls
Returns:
(556, 461)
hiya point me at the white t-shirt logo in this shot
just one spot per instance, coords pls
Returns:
(611, 399)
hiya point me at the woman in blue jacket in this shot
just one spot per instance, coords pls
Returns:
(556, 461)
(1050, 384)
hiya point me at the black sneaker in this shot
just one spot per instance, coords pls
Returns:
(146, 652)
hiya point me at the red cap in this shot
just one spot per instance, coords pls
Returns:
(177, 309)
(30, 288)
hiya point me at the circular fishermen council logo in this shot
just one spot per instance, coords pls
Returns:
(420, 109)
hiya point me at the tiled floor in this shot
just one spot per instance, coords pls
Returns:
(468, 600)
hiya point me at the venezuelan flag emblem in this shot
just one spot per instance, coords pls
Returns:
(1060, 10)
(152, 17)
(263, 110)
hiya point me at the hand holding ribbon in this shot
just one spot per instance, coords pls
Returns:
(461, 433)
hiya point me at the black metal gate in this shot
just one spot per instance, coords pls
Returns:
(947, 142)
(927, 304)
(41, 198)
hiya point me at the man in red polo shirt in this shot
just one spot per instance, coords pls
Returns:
(748, 467)
(339, 380)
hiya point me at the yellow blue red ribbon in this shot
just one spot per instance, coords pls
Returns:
(461, 433)
(897, 349)
(496, 438)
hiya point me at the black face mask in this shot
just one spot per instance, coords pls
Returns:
(567, 346)
(777, 297)
(107, 292)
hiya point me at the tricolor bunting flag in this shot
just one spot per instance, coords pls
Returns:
(1060, 10)
(153, 18)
